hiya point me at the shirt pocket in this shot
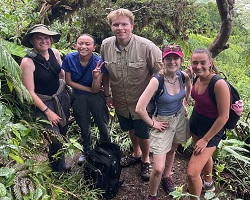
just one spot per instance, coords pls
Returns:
(114, 70)
(136, 70)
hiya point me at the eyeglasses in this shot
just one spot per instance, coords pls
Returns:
(174, 48)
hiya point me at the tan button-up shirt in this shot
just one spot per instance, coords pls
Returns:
(130, 70)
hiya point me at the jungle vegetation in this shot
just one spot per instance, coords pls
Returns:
(212, 24)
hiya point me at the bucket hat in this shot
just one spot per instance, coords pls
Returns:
(39, 28)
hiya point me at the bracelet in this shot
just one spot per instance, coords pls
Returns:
(152, 124)
(46, 110)
(108, 95)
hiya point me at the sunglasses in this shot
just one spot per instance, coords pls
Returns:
(174, 48)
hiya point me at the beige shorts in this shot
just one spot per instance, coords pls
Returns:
(177, 132)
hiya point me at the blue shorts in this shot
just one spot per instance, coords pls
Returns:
(199, 126)
(140, 127)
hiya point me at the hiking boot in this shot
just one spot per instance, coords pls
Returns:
(207, 187)
(130, 160)
(151, 197)
(168, 184)
(145, 171)
(81, 159)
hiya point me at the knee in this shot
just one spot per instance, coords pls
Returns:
(157, 172)
(191, 174)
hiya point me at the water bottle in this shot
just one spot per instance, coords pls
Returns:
(238, 107)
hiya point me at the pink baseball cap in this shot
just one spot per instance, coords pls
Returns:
(172, 49)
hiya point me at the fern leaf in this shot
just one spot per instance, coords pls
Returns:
(12, 73)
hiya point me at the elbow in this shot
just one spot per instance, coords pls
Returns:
(94, 90)
(138, 110)
(227, 118)
(224, 119)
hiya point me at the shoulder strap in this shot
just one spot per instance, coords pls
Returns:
(195, 79)
(160, 86)
(158, 92)
(85, 71)
(211, 84)
(51, 53)
(182, 76)
(82, 75)
(36, 57)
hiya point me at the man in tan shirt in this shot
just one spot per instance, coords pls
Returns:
(130, 61)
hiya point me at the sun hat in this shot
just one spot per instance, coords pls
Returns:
(172, 49)
(39, 28)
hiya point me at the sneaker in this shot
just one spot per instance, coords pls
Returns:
(151, 198)
(81, 159)
(145, 171)
(130, 160)
(206, 187)
(168, 184)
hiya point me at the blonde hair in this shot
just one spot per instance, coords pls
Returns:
(121, 12)
(206, 51)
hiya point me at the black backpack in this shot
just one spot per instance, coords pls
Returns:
(152, 106)
(234, 96)
(104, 169)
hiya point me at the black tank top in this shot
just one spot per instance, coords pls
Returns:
(46, 76)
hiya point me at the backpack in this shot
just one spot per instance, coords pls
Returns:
(152, 106)
(234, 96)
(104, 169)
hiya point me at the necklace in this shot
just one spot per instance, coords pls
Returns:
(172, 83)
(208, 75)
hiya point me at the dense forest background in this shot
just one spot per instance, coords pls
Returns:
(23, 170)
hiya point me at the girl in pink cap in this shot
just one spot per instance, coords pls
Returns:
(169, 125)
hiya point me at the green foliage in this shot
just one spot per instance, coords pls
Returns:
(233, 157)
(15, 16)
(11, 73)
(234, 148)
(77, 189)
(183, 22)
(179, 194)
(7, 175)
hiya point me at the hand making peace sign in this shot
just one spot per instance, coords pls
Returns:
(97, 71)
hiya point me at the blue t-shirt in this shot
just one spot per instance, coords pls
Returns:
(170, 104)
(71, 64)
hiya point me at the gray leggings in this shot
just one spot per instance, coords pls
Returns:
(84, 106)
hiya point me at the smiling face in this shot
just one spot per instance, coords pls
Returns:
(201, 64)
(41, 41)
(172, 62)
(85, 45)
(122, 28)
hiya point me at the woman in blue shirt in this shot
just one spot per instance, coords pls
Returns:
(84, 71)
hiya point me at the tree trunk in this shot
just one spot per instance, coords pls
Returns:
(225, 8)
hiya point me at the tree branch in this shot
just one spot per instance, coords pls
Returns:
(225, 8)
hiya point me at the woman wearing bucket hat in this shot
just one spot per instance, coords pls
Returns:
(169, 124)
(44, 79)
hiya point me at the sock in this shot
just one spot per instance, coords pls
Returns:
(208, 184)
